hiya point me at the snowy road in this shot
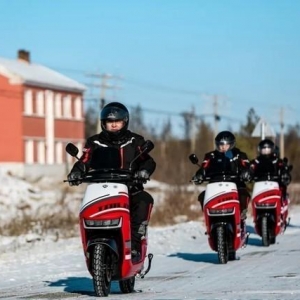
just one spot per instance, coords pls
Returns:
(184, 267)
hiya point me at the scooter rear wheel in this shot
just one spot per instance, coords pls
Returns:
(127, 285)
(102, 270)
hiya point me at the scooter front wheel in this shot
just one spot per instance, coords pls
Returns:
(222, 245)
(127, 285)
(265, 232)
(102, 270)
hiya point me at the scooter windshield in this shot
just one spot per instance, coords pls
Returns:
(105, 158)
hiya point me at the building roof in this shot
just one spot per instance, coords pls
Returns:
(22, 72)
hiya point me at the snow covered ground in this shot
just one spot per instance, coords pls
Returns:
(184, 267)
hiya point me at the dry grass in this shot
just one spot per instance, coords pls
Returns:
(178, 206)
(63, 224)
(181, 206)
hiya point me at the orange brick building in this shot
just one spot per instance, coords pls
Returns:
(41, 111)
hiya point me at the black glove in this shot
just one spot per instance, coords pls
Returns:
(286, 178)
(74, 177)
(246, 175)
(199, 176)
(142, 174)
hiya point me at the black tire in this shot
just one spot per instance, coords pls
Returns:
(222, 245)
(102, 270)
(127, 285)
(265, 233)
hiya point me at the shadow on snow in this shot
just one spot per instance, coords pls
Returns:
(81, 286)
(198, 257)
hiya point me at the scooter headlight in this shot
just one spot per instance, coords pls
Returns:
(102, 223)
(225, 211)
(266, 205)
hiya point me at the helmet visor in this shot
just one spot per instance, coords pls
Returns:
(114, 114)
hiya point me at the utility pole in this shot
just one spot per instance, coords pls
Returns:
(104, 85)
(216, 117)
(193, 130)
(281, 133)
(190, 130)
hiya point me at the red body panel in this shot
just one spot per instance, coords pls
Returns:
(107, 209)
(273, 206)
(227, 200)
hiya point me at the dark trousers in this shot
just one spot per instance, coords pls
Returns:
(141, 204)
(244, 197)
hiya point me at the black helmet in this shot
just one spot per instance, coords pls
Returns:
(225, 138)
(266, 147)
(114, 111)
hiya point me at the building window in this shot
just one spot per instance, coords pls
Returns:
(67, 112)
(59, 152)
(29, 152)
(41, 155)
(28, 102)
(78, 108)
(40, 104)
(57, 107)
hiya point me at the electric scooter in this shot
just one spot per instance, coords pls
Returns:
(105, 221)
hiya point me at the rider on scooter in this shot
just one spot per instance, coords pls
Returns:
(114, 124)
(226, 157)
(269, 162)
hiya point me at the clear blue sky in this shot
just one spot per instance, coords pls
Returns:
(172, 55)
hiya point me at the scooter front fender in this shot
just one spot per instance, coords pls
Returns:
(111, 243)
(228, 226)
(269, 215)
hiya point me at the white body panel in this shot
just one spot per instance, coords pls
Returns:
(218, 188)
(264, 186)
(96, 191)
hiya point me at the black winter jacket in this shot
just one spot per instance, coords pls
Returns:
(233, 161)
(129, 147)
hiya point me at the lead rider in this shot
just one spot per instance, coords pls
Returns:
(114, 124)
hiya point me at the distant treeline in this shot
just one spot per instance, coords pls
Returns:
(171, 153)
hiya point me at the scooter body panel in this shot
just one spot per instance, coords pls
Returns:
(266, 201)
(222, 208)
(105, 219)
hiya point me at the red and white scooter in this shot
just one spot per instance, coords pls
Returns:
(269, 209)
(105, 222)
(221, 208)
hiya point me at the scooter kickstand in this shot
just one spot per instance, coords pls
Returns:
(150, 257)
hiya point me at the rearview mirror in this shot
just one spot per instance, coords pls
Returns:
(194, 159)
(147, 146)
(72, 149)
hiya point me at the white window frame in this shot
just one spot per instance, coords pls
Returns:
(67, 109)
(41, 152)
(78, 108)
(57, 107)
(59, 152)
(40, 103)
(28, 102)
(29, 152)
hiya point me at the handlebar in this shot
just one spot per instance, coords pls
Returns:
(109, 175)
(266, 177)
(217, 177)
